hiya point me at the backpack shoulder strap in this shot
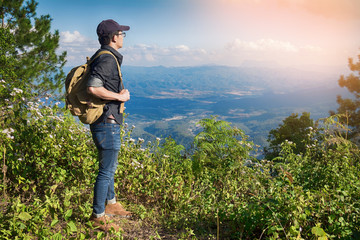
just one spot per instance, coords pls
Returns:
(117, 63)
(89, 61)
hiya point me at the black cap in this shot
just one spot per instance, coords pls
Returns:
(109, 26)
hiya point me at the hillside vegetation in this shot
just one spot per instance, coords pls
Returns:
(216, 190)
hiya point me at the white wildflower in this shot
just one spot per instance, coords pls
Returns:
(248, 163)
(158, 139)
(258, 165)
(141, 140)
(136, 164)
(8, 132)
(2, 81)
(18, 90)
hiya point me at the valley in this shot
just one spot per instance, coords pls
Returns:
(170, 101)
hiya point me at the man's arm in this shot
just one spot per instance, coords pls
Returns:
(105, 94)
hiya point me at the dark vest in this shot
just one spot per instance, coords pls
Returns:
(105, 68)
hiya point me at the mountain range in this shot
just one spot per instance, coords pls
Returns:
(169, 101)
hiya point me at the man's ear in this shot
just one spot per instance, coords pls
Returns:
(113, 39)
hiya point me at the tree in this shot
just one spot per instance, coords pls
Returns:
(7, 74)
(219, 148)
(292, 129)
(350, 108)
(8, 63)
(38, 65)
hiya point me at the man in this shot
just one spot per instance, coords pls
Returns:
(105, 83)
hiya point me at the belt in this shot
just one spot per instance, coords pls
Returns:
(110, 120)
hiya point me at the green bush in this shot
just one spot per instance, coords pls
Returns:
(216, 189)
(48, 163)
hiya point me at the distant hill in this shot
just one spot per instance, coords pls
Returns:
(207, 80)
(168, 101)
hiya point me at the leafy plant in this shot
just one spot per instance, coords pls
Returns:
(349, 107)
(294, 129)
(216, 190)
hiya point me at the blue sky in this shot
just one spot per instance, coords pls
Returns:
(300, 33)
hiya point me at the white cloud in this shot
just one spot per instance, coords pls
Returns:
(74, 37)
(262, 45)
(272, 52)
(234, 53)
(149, 57)
(180, 55)
(77, 46)
(182, 48)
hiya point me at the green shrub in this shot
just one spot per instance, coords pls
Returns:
(214, 190)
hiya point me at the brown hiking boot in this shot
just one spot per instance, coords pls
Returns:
(117, 209)
(103, 223)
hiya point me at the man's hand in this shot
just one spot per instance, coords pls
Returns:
(124, 95)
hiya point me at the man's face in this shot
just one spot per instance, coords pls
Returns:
(119, 39)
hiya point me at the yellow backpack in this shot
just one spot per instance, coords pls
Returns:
(81, 103)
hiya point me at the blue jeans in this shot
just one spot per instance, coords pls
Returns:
(107, 140)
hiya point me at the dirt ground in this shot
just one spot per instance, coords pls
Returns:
(136, 229)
